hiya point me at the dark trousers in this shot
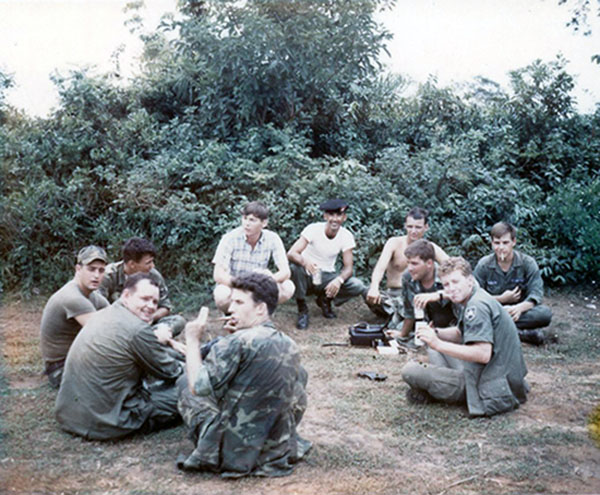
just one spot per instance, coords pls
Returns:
(304, 285)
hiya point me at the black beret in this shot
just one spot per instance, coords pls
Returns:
(334, 205)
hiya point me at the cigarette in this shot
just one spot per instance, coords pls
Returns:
(502, 257)
(224, 318)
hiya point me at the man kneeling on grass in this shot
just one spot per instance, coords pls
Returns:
(479, 362)
(243, 401)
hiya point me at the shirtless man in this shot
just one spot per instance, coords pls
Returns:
(392, 263)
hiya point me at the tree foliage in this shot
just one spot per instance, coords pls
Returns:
(284, 102)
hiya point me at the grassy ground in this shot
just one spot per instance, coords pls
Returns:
(367, 438)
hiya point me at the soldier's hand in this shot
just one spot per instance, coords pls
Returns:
(514, 312)
(194, 330)
(421, 300)
(163, 333)
(373, 295)
(510, 296)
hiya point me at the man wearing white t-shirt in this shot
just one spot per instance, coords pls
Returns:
(313, 258)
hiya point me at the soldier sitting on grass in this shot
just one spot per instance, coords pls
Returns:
(69, 309)
(243, 402)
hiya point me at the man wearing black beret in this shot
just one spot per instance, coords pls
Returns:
(313, 258)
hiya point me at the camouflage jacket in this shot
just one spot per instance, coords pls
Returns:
(114, 280)
(249, 398)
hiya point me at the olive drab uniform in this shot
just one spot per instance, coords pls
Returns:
(102, 395)
(249, 398)
(495, 387)
(524, 273)
(114, 280)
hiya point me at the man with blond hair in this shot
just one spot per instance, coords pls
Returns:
(479, 362)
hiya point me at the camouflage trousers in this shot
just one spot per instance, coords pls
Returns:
(267, 445)
(391, 307)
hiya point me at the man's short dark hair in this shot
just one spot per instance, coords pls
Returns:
(136, 248)
(421, 248)
(502, 228)
(417, 213)
(257, 209)
(262, 287)
(132, 281)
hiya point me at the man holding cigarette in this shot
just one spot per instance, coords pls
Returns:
(479, 362)
(313, 257)
(515, 281)
(243, 401)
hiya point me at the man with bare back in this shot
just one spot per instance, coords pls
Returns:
(392, 263)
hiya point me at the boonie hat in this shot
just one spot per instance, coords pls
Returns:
(91, 253)
(334, 205)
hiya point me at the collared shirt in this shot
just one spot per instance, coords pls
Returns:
(524, 272)
(114, 280)
(235, 253)
(101, 394)
(498, 385)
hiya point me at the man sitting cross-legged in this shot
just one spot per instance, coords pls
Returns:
(103, 393)
(243, 402)
(480, 361)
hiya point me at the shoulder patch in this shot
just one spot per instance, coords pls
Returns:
(470, 314)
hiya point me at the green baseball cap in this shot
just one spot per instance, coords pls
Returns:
(91, 253)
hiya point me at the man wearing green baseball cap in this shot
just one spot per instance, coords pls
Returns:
(70, 308)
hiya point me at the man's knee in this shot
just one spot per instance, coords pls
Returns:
(286, 291)
(222, 297)
(536, 317)
(412, 373)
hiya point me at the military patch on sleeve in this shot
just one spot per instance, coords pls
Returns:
(470, 314)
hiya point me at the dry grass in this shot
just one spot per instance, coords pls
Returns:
(367, 438)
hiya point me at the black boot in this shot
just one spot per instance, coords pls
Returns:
(533, 337)
(325, 304)
(302, 323)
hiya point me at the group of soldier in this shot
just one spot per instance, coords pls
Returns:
(109, 340)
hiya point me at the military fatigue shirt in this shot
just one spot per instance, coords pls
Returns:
(101, 394)
(235, 253)
(114, 280)
(250, 396)
(499, 385)
(59, 326)
(439, 311)
(523, 272)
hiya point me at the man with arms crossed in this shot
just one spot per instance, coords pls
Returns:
(392, 263)
(243, 402)
(515, 281)
(313, 258)
(102, 395)
(480, 361)
(249, 248)
(69, 309)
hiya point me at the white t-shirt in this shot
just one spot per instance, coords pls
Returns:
(321, 249)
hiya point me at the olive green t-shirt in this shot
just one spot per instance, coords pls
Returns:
(59, 326)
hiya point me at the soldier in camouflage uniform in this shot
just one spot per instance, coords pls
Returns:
(138, 256)
(421, 287)
(243, 402)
